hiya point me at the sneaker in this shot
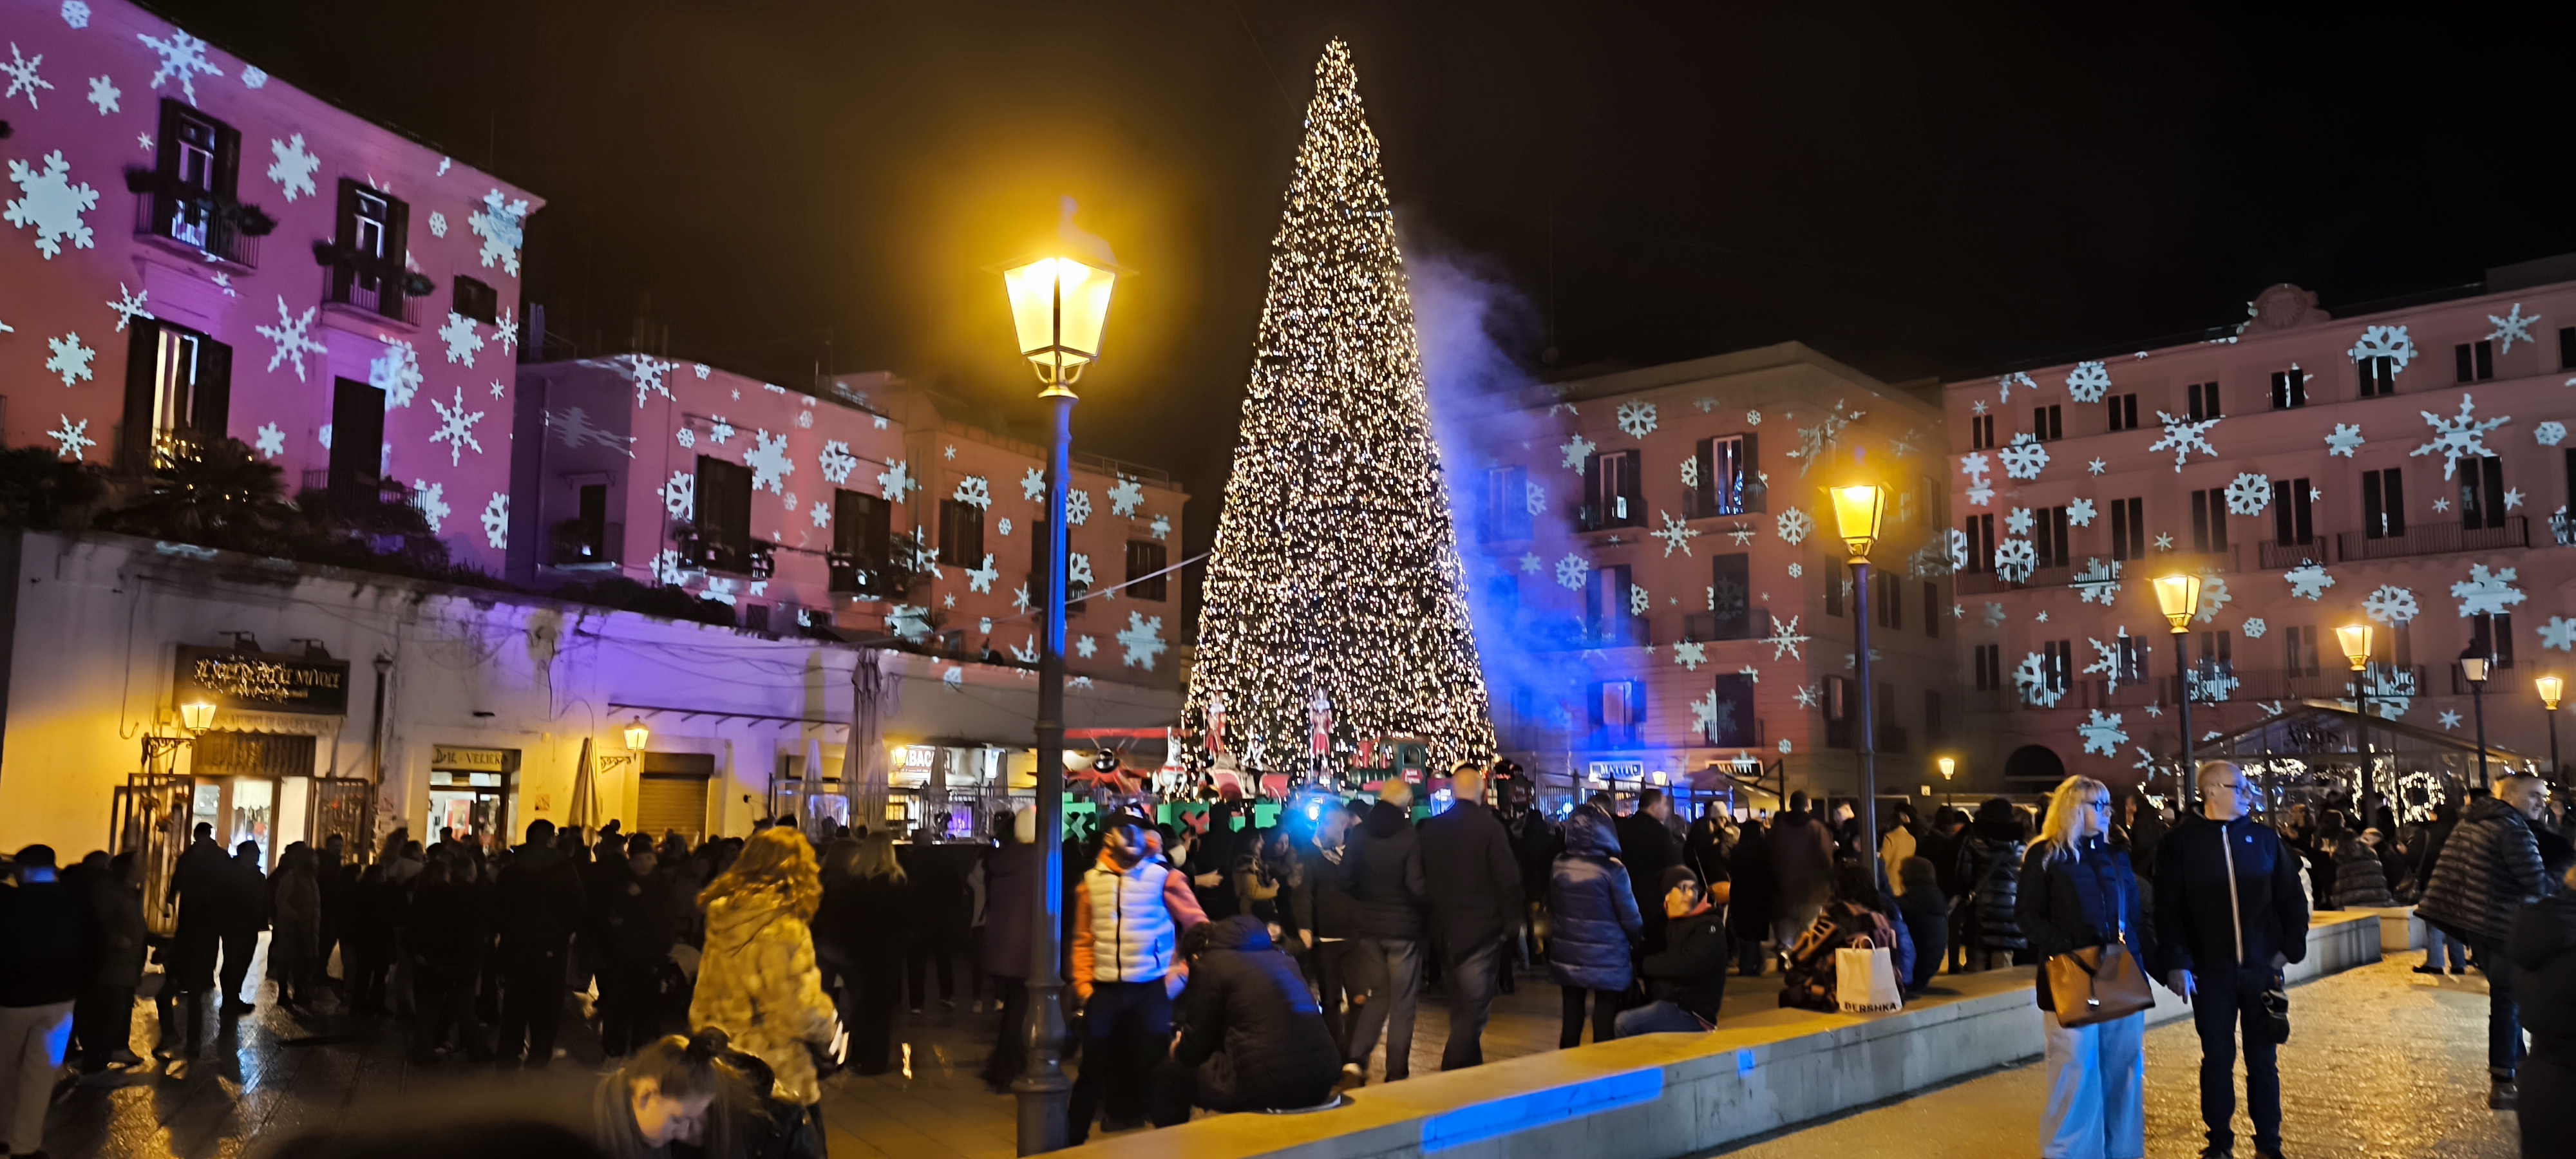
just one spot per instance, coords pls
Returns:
(1352, 1077)
(2503, 1094)
(2428, 969)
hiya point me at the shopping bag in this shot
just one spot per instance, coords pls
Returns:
(1865, 981)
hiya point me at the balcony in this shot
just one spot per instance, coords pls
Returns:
(2435, 539)
(1624, 632)
(867, 577)
(382, 299)
(2563, 529)
(1628, 512)
(2274, 556)
(1753, 501)
(1970, 583)
(703, 553)
(579, 543)
(197, 223)
(1703, 627)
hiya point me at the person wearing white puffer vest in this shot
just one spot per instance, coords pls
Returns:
(1129, 912)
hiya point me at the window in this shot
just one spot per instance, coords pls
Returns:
(2217, 656)
(1733, 724)
(2383, 504)
(1932, 609)
(1891, 600)
(2203, 400)
(1606, 618)
(194, 181)
(1981, 543)
(357, 437)
(1730, 476)
(1613, 491)
(1990, 667)
(476, 300)
(1838, 712)
(2292, 520)
(2059, 663)
(724, 513)
(2567, 348)
(2289, 388)
(1838, 590)
(1507, 505)
(1981, 432)
(369, 250)
(1934, 727)
(2047, 423)
(2475, 360)
(1730, 597)
(2209, 521)
(2299, 650)
(2049, 537)
(863, 541)
(2129, 663)
(1145, 558)
(961, 534)
(1618, 707)
(2491, 635)
(2481, 493)
(2124, 411)
(2129, 528)
(178, 393)
(2378, 375)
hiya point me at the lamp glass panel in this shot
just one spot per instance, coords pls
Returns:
(1033, 288)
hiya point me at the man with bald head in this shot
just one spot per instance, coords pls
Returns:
(2488, 871)
(1474, 886)
(2230, 915)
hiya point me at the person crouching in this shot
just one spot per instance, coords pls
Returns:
(1688, 976)
(1252, 1037)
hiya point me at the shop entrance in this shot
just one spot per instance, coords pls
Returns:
(469, 793)
(237, 775)
(671, 794)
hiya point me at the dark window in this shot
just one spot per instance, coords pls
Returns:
(1932, 609)
(477, 301)
(2132, 660)
(1934, 728)
(2491, 635)
(1606, 618)
(196, 177)
(2209, 521)
(1145, 558)
(178, 392)
(1890, 594)
(2203, 399)
(2383, 504)
(1613, 490)
(1730, 476)
(2129, 528)
(1618, 708)
(357, 437)
(2378, 375)
(863, 529)
(2567, 348)
(2049, 537)
(2474, 360)
(1981, 543)
(2481, 493)
(2217, 656)
(1981, 432)
(2289, 389)
(2299, 649)
(2060, 663)
(961, 534)
(1507, 506)
(755, 617)
(371, 244)
(1730, 596)
(1838, 712)
(1733, 724)
(2124, 411)
(2047, 423)
(1990, 667)
(2292, 520)
(724, 513)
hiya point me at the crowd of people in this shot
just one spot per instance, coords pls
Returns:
(1231, 966)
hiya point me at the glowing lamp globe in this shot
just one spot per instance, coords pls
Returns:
(198, 716)
(2178, 597)
(1949, 765)
(1059, 307)
(1857, 509)
(2551, 688)
(2474, 668)
(2355, 639)
(637, 736)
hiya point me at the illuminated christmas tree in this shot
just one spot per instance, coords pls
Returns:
(1335, 573)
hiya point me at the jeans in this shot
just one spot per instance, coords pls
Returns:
(876, 988)
(1396, 965)
(444, 1004)
(32, 1041)
(239, 946)
(2437, 945)
(2097, 1089)
(532, 1002)
(1471, 977)
(1657, 1017)
(1605, 1016)
(2504, 1014)
(629, 1005)
(2222, 1001)
(1127, 1032)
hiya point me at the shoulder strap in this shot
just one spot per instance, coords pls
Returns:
(2235, 915)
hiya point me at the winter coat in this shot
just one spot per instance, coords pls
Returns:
(1755, 895)
(1924, 912)
(2089, 899)
(123, 936)
(758, 981)
(1994, 884)
(2425, 851)
(1648, 849)
(295, 919)
(1470, 876)
(1010, 883)
(539, 902)
(2489, 869)
(2543, 948)
(2359, 878)
(1382, 866)
(1595, 908)
(2193, 906)
(1251, 1026)
(450, 929)
(1947, 853)
(638, 924)
(1802, 860)
(1323, 907)
(1811, 982)
(1534, 846)
(1690, 971)
(863, 918)
(49, 943)
(1127, 922)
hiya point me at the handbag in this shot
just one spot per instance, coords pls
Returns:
(2099, 983)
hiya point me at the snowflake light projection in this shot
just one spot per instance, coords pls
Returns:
(820, 515)
(650, 376)
(2549, 434)
(2102, 734)
(1576, 450)
(437, 224)
(1821, 440)
(2391, 605)
(293, 168)
(680, 495)
(2345, 440)
(503, 227)
(720, 430)
(1690, 654)
(1573, 571)
(2389, 342)
(974, 492)
(2080, 513)
(2249, 494)
(1690, 474)
(574, 428)
(2017, 521)
(2212, 686)
(2025, 458)
(182, 56)
(2213, 594)
(1126, 497)
(1077, 508)
(1637, 419)
(836, 461)
(271, 441)
(2031, 677)
(463, 342)
(1033, 485)
(2459, 436)
(1793, 526)
(51, 204)
(1161, 528)
(431, 499)
(2097, 583)
(2559, 633)
(1638, 601)
(896, 481)
(2088, 382)
(2308, 581)
(496, 521)
(2005, 383)
(2512, 326)
(2108, 660)
(1534, 498)
(1784, 639)
(456, 428)
(70, 437)
(291, 338)
(2254, 627)
(129, 306)
(1143, 640)
(980, 579)
(1958, 550)
(2485, 592)
(71, 359)
(395, 372)
(2182, 437)
(1704, 713)
(1675, 533)
(769, 463)
(104, 94)
(2015, 560)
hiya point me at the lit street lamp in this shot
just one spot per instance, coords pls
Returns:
(1058, 306)
(2551, 688)
(2475, 667)
(2178, 597)
(2355, 639)
(637, 736)
(1857, 510)
(1949, 765)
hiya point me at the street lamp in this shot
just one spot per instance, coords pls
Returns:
(1948, 766)
(1058, 306)
(1857, 511)
(2355, 639)
(195, 717)
(2178, 597)
(2475, 668)
(2551, 688)
(637, 735)
(198, 716)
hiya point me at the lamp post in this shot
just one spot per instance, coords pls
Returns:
(2355, 639)
(1949, 765)
(1058, 306)
(1857, 510)
(2474, 667)
(2551, 688)
(2178, 597)
(194, 717)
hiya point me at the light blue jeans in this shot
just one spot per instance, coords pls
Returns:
(1658, 1017)
(2097, 1086)
(2437, 943)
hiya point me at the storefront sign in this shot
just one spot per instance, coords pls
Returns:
(457, 759)
(1618, 770)
(262, 681)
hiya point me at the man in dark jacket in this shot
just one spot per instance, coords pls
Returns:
(2488, 871)
(103, 1019)
(1475, 890)
(1687, 978)
(1534, 845)
(2222, 944)
(1251, 1036)
(48, 955)
(1802, 870)
(1382, 868)
(245, 909)
(1647, 848)
(1327, 918)
(538, 903)
(2542, 954)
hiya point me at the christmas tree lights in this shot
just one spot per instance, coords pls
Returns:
(1334, 603)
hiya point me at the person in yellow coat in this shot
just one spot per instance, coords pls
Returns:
(757, 980)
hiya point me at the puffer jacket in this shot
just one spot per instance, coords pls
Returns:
(1251, 1026)
(757, 980)
(2489, 869)
(2359, 878)
(1382, 864)
(1595, 908)
(1994, 877)
(1127, 923)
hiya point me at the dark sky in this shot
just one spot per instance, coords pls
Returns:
(1916, 189)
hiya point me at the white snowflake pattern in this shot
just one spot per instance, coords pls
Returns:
(769, 463)
(2391, 690)
(1637, 419)
(1534, 498)
(2512, 498)
(2102, 733)
(2097, 466)
(431, 499)
(2308, 581)
(2511, 327)
(720, 431)
(1704, 713)
(820, 514)
(2213, 594)
(1077, 569)
(1077, 508)
(1530, 562)
(836, 461)
(1033, 485)
(71, 359)
(1161, 528)
(2345, 440)
(496, 521)
(2559, 633)
(502, 225)
(680, 495)
(1143, 640)
(2182, 437)
(2015, 560)
(2255, 627)
(2088, 382)
(980, 579)
(2017, 521)
(1994, 614)
(2450, 719)
(291, 338)
(2485, 592)
(271, 441)
(129, 306)
(104, 94)
(2459, 436)
(1690, 654)
(254, 77)
(182, 57)
(395, 372)
(51, 204)
(2107, 660)
(1690, 474)
(1576, 450)
(293, 168)
(2031, 677)
(896, 481)
(2249, 494)
(2006, 383)
(2025, 458)
(437, 224)
(1793, 526)
(1126, 498)
(1573, 571)
(2097, 583)
(76, 13)
(2389, 342)
(2080, 513)
(1675, 534)
(1784, 639)
(22, 76)
(462, 340)
(2391, 605)
(456, 428)
(974, 492)
(70, 438)
(2549, 434)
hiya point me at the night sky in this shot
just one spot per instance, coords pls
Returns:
(1916, 189)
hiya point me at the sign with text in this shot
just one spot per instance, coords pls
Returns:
(261, 681)
(1618, 770)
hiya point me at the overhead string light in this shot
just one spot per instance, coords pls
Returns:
(1336, 569)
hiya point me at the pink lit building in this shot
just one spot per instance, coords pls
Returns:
(192, 248)
(2405, 468)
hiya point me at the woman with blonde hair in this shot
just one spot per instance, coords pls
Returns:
(756, 979)
(868, 911)
(2076, 891)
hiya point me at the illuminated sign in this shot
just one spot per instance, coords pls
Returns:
(262, 681)
(1618, 770)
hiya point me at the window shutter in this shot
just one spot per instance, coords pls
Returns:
(210, 406)
(142, 354)
(2464, 362)
(167, 162)
(1706, 492)
(227, 162)
(1755, 491)
(397, 252)
(1592, 496)
(345, 235)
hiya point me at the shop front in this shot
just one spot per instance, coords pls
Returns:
(471, 791)
(258, 723)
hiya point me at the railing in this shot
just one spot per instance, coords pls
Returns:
(2435, 539)
(866, 577)
(1624, 632)
(2563, 529)
(1756, 499)
(2276, 556)
(1702, 627)
(579, 543)
(385, 300)
(1596, 517)
(1969, 583)
(195, 222)
(698, 553)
